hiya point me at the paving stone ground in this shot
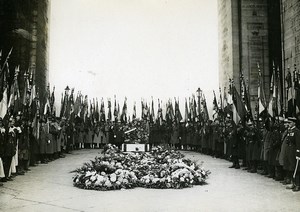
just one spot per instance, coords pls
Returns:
(48, 187)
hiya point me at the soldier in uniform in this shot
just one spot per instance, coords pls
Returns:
(233, 140)
(10, 147)
(2, 150)
(293, 137)
(282, 155)
(250, 138)
(257, 146)
(175, 135)
(23, 148)
(275, 141)
(266, 145)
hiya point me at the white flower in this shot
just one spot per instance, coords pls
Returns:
(93, 178)
(107, 183)
(113, 177)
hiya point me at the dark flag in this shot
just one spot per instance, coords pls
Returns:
(102, 112)
(261, 93)
(178, 116)
(124, 112)
(109, 116)
(239, 106)
(152, 115)
(134, 112)
(290, 95)
(246, 98)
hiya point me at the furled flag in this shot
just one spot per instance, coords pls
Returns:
(215, 106)
(47, 104)
(52, 101)
(14, 99)
(25, 100)
(239, 110)
(102, 112)
(261, 93)
(297, 90)
(116, 111)
(245, 98)
(124, 112)
(186, 114)
(152, 115)
(278, 94)
(134, 112)
(3, 101)
(290, 94)
(77, 104)
(159, 114)
(97, 115)
(272, 93)
(178, 116)
(109, 116)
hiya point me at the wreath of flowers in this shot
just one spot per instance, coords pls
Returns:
(160, 168)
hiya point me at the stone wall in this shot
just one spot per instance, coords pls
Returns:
(245, 27)
(24, 27)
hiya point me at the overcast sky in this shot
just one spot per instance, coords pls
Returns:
(134, 48)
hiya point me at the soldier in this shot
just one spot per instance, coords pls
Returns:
(43, 140)
(118, 135)
(2, 150)
(175, 135)
(249, 138)
(293, 138)
(257, 146)
(233, 140)
(23, 148)
(10, 147)
(275, 142)
(266, 145)
(69, 136)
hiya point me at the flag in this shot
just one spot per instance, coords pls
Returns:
(205, 109)
(261, 93)
(278, 94)
(116, 111)
(102, 112)
(97, 115)
(297, 90)
(246, 98)
(152, 115)
(134, 112)
(186, 114)
(159, 114)
(14, 99)
(178, 116)
(109, 116)
(124, 112)
(52, 101)
(77, 104)
(3, 104)
(239, 110)
(47, 108)
(290, 94)
(272, 93)
(3, 90)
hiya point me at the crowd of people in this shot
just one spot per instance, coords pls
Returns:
(268, 146)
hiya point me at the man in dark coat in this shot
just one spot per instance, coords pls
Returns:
(2, 150)
(233, 140)
(293, 137)
(10, 148)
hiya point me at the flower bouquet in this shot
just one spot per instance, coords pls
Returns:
(159, 169)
